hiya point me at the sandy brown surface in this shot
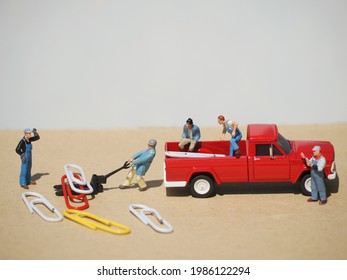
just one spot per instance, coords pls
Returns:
(251, 224)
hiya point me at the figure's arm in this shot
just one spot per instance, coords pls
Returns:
(321, 164)
(36, 135)
(235, 126)
(224, 130)
(134, 157)
(149, 156)
(184, 133)
(197, 134)
(20, 149)
(307, 161)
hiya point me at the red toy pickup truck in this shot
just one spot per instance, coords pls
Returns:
(266, 156)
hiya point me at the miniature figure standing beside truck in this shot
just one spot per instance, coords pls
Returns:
(266, 156)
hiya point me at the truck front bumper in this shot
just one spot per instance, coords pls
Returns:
(333, 174)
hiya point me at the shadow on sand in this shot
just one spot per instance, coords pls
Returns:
(37, 176)
(151, 184)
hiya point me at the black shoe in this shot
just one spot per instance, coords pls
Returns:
(237, 154)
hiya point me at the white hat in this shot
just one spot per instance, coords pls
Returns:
(316, 148)
(27, 130)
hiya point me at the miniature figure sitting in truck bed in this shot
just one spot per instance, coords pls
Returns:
(266, 156)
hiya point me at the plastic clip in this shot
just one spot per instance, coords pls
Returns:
(42, 200)
(141, 215)
(105, 225)
(70, 197)
(72, 179)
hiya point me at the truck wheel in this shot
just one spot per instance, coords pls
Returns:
(305, 185)
(201, 186)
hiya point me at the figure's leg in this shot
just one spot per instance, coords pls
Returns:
(233, 143)
(183, 142)
(23, 174)
(321, 188)
(142, 183)
(129, 178)
(238, 138)
(236, 147)
(314, 192)
(231, 152)
(234, 140)
(233, 146)
(192, 146)
(28, 174)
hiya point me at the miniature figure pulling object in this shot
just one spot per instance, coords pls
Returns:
(103, 224)
(95, 182)
(141, 215)
(42, 200)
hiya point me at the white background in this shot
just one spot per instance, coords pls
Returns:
(154, 63)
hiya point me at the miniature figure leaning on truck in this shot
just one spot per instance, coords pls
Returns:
(317, 164)
(236, 135)
(266, 156)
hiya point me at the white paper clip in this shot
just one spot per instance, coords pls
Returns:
(42, 200)
(141, 215)
(71, 178)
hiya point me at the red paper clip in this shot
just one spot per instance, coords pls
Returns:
(70, 197)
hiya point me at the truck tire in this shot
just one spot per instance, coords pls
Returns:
(202, 186)
(305, 185)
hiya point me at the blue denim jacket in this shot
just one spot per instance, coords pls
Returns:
(143, 160)
(195, 132)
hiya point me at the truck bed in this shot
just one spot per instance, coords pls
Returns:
(224, 168)
(209, 147)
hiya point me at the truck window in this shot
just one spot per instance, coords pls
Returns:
(264, 150)
(284, 144)
(276, 151)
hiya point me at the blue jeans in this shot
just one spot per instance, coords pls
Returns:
(25, 171)
(233, 142)
(317, 185)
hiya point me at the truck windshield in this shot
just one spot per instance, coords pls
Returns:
(284, 144)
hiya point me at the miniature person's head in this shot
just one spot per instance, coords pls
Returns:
(221, 119)
(189, 123)
(152, 143)
(316, 150)
(27, 133)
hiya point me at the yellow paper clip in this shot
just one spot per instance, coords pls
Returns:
(105, 225)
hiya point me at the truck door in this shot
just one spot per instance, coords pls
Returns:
(270, 164)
